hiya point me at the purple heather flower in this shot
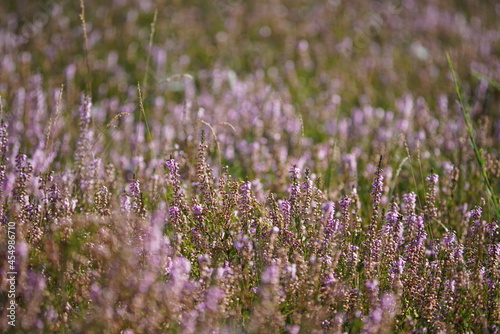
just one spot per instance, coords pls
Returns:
(349, 163)
(286, 210)
(304, 186)
(344, 203)
(459, 252)
(325, 323)
(294, 192)
(204, 258)
(174, 212)
(415, 222)
(449, 285)
(293, 329)
(372, 285)
(377, 186)
(271, 275)
(328, 206)
(172, 166)
(398, 266)
(432, 179)
(223, 271)
(245, 187)
(134, 188)
(419, 242)
(213, 297)
(494, 251)
(475, 213)
(197, 209)
(125, 203)
(352, 256)
(393, 214)
(388, 303)
(291, 269)
(491, 227)
(449, 238)
(84, 111)
(180, 268)
(22, 249)
(409, 202)
(329, 279)
(332, 225)
(242, 241)
(294, 172)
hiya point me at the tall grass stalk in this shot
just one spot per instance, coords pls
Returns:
(86, 45)
(150, 47)
(470, 131)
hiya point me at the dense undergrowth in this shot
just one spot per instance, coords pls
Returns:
(250, 167)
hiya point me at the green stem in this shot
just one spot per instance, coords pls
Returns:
(493, 198)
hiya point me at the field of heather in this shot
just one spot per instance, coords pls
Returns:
(233, 166)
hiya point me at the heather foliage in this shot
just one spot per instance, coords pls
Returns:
(250, 166)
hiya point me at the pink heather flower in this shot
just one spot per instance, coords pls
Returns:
(24, 170)
(459, 252)
(204, 258)
(22, 249)
(294, 192)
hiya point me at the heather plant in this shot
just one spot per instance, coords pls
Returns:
(249, 167)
